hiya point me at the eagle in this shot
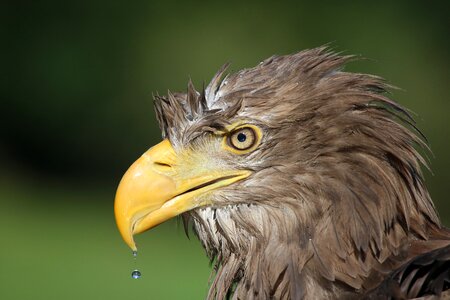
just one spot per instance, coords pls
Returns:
(301, 180)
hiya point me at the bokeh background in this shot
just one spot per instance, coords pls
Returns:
(76, 111)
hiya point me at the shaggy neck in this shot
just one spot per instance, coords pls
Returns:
(260, 254)
(253, 260)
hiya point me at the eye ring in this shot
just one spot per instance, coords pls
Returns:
(242, 139)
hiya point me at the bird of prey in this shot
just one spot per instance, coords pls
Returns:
(301, 180)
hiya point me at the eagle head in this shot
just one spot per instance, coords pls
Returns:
(299, 178)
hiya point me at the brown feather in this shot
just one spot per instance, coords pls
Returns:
(337, 204)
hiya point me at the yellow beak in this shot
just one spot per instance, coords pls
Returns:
(154, 190)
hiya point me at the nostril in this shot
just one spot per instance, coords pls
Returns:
(162, 164)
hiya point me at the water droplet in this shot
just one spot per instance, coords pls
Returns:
(134, 253)
(136, 274)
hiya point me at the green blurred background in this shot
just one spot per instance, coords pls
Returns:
(76, 111)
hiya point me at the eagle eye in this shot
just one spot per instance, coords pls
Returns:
(243, 139)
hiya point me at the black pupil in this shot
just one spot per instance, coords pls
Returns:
(241, 137)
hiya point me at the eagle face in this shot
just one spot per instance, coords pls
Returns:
(294, 173)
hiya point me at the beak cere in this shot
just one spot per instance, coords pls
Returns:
(153, 190)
